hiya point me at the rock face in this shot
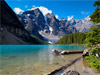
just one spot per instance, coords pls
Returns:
(10, 24)
(49, 26)
(52, 23)
(84, 25)
(33, 22)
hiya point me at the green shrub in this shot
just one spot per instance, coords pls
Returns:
(95, 51)
(92, 60)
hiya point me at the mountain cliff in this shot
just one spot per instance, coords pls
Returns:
(48, 26)
(12, 31)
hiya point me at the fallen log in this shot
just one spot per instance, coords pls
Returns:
(64, 67)
(66, 52)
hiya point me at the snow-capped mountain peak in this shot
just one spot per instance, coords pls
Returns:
(43, 9)
(70, 18)
(36, 21)
(87, 18)
(63, 19)
(34, 8)
(18, 10)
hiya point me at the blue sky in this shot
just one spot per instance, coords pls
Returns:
(62, 8)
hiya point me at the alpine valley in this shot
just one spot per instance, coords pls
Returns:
(49, 28)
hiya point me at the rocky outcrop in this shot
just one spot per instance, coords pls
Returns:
(53, 23)
(86, 52)
(96, 45)
(33, 21)
(11, 24)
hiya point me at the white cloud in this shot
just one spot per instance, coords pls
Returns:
(43, 9)
(26, 6)
(70, 17)
(56, 16)
(18, 10)
(84, 13)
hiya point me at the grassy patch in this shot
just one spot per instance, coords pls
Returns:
(38, 40)
(92, 60)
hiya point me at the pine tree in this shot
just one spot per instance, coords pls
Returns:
(93, 37)
(95, 17)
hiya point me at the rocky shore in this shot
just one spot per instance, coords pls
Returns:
(71, 72)
(62, 68)
(65, 52)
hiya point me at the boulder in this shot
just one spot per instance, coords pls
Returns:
(97, 55)
(86, 52)
(98, 45)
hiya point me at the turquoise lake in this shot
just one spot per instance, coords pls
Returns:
(34, 59)
(20, 49)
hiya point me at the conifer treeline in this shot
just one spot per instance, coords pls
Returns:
(75, 38)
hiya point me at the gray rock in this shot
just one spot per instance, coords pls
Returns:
(71, 72)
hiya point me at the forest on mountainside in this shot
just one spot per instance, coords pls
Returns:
(75, 38)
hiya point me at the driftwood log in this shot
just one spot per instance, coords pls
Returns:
(64, 67)
(66, 52)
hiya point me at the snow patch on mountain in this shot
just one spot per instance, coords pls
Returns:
(70, 17)
(43, 9)
(56, 16)
(51, 38)
(28, 14)
(51, 29)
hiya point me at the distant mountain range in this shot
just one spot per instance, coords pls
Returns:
(50, 28)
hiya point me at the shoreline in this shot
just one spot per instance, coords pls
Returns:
(63, 68)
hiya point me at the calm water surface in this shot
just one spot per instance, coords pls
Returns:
(35, 59)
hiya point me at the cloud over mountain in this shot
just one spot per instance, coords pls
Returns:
(18, 10)
(43, 9)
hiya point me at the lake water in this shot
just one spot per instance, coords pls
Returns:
(35, 59)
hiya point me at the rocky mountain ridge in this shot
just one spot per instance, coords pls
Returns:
(48, 26)
(12, 31)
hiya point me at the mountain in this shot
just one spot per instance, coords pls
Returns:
(12, 31)
(48, 26)
(84, 25)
